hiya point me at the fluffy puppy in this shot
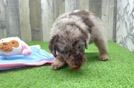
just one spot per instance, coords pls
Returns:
(70, 34)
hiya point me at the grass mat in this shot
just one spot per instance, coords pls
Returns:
(118, 72)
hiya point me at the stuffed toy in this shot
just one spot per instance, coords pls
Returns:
(14, 46)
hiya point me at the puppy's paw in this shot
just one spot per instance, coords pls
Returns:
(55, 66)
(104, 57)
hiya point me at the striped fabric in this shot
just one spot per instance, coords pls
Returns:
(37, 58)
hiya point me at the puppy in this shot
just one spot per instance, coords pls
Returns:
(70, 34)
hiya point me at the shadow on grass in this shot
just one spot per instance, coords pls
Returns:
(92, 56)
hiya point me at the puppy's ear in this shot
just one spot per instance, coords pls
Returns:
(83, 38)
(52, 44)
(85, 44)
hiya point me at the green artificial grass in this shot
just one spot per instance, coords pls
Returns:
(118, 72)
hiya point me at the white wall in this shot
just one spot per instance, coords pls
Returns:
(125, 23)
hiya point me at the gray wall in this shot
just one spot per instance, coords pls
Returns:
(3, 22)
(32, 19)
(35, 20)
(14, 19)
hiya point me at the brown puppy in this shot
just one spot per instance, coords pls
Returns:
(70, 35)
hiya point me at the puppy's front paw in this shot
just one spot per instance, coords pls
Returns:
(57, 64)
(104, 57)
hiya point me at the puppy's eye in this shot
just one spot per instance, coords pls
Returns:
(81, 47)
(64, 52)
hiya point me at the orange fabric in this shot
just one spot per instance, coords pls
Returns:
(8, 46)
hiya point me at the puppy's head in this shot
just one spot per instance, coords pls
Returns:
(72, 50)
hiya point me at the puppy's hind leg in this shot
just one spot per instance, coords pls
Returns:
(101, 43)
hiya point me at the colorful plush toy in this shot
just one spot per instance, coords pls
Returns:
(14, 46)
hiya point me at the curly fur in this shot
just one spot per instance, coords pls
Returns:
(70, 35)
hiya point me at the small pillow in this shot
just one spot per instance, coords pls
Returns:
(14, 46)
